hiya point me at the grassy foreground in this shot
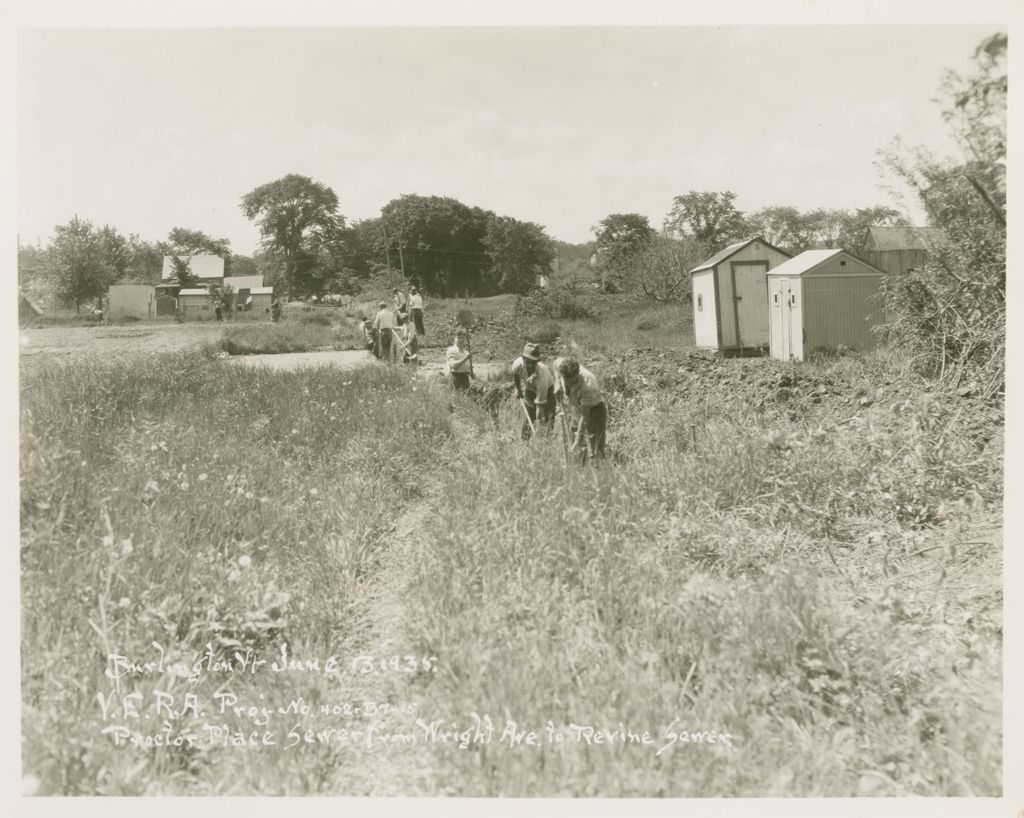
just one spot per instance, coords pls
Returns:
(818, 594)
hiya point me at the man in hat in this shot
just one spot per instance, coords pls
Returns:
(534, 385)
(382, 323)
(583, 392)
(459, 360)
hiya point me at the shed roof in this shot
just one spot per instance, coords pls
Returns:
(809, 260)
(904, 238)
(732, 249)
(243, 282)
(194, 291)
(204, 266)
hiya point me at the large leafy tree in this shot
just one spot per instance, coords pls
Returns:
(184, 241)
(297, 217)
(709, 217)
(517, 253)
(621, 237)
(438, 242)
(82, 261)
(952, 311)
(661, 270)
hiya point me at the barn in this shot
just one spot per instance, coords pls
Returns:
(195, 301)
(899, 249)
(820, 300)
(730, 296)
(131, 300)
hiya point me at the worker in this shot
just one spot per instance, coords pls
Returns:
(583, 392)
(369, 334)
(534, 386)
(275, 310)
(401, 306)
(382, 323)
(460, 360)
(416, 309)
(410, 343)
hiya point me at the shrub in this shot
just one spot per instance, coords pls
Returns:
(555, 303)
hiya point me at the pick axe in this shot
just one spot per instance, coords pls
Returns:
(533, 428)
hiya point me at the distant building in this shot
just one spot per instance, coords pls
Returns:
(208, 269)
(27, 311)
(243, 282)
(259, 299)
(131, 300)
(194, 301)
(897, 250)
(730, 295)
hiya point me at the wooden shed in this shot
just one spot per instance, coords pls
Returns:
(822, 299)
(131, 300)
(897, 250)
(195, 301)
(730, 296)
(259, 299)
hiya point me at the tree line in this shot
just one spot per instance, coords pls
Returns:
(951, 311)
(307, 248)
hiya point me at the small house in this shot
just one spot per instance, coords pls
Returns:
(899, 249)
(730, 296)
(195, 301)
(820, 300)
(131, 300)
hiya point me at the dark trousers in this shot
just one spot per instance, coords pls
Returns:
(384, 343)
(460, 380)
(417, 318)
(546, 416)
(595, 423)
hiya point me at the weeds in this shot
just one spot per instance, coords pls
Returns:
(309, 333)
(782, 558)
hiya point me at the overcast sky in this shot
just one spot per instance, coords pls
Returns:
(148, 130)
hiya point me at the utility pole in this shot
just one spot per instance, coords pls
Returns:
(387, 250)
(401, 258)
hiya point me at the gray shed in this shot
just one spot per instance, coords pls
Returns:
(898, 250)
(730, 295)
(822, 299)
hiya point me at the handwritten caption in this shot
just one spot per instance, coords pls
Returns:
(163, 715)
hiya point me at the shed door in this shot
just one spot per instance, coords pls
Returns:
(750, 290)
(795, 319)
(778, 317)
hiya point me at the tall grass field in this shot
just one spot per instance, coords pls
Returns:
(791, 597)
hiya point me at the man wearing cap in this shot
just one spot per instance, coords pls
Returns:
(459, 361)
(582, 390)
(382, 323)
(534, 388)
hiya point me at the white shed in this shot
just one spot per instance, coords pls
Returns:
(730, 295)
(822, 299)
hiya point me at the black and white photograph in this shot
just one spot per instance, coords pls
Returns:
(558, 407)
